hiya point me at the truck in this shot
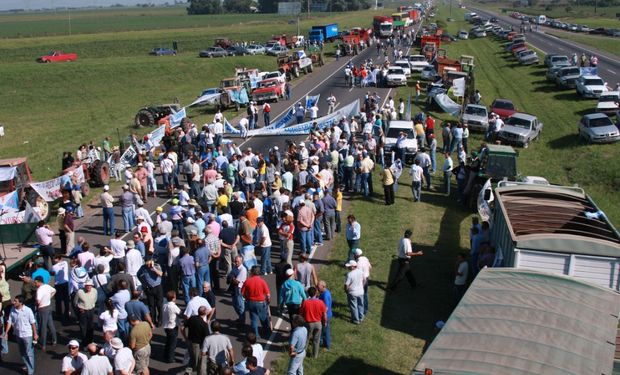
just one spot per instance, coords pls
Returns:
(323, 33)
(414, 15)
(442, 62)
(383, 26)
(290, 41)
(269, 90)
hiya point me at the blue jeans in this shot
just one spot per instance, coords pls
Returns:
(266, 118)
(305, 242)
(128, 218)
(447, 175)
(188, 282)
(258, 311)
(326, 335)
(416, 188)
(296, 364)
(365, 299)
(123, 329)
(356, 306)
(239, 305)
(433, 160)
(203, 275)
(364, 183)
(26, 351)
(108, 221)
(427, 177)
(456, 142)
(265, 260)
(316, 228)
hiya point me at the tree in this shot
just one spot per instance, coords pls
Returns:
(204, 7)
(268, 6)
(237, 6)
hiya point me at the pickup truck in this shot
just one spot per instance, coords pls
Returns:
(57, 56)
(268, 89)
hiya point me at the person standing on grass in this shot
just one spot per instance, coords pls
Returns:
(314, 312)
(364, 265)
(353, 234)
(448, 165)
(354, 288)
(326, 296)
(21, 319)
(292, 294)
(425, 164)
(297, 346)
(416, 174)
(387, 178)
(405, 253)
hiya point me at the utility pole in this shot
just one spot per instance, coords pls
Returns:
(308, 9)
(450, 8)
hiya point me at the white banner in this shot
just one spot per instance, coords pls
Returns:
(458, 87)
(176, 118)
(157, 135)
(282, 122)
(207, 99)
(29, 215)
(51, 190)
(447, 104)
(9, 202)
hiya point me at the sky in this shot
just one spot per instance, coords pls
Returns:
(38, 4)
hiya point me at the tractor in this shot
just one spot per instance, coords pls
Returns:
(150, 115)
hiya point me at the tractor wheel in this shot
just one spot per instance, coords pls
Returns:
(35, 200)
(310, 68)
(296, 72)
(100, 173)
(144, 118)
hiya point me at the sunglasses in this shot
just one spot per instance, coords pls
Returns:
(73, 347)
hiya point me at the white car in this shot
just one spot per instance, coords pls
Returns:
(275, 75)
(396, 76)
(590, 86)
(608, 102)
(255, 49)
(463, 34)
(480, 33)
(405, 65)
(278, 50)
(410, 144)
(528, 57)
(417, 62)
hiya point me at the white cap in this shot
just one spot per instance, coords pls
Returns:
(301, 144)
(357, 252)
(116, 343)
(289, 272)
(351, 263)
(106, 187)
(74, 343)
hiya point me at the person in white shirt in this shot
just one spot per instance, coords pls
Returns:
(195, 303)
(354, 288)
(60, 271)
(73, 362)
(133, 262)
(401, 109)
(124, 362)
(363, 264)
(171, 313)
(45, 293)
(117, 247)
(264, 246)
(416, 174)
(97, 364)
(448, 165)
(314, 112)
(331, 101)
(109, 317)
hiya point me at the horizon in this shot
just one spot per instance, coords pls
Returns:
(31, 5)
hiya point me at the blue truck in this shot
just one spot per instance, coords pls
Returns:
(323, 33)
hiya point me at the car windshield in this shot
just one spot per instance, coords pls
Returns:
(518, 122)
(396, 71)
(402, 64)
(503, 105)
(593, 82)
(271, 75)
(417, 58)
(476, 111)
(608, 98)
(501, 166)
(395, 132)
(559, 59)
(569, 72)
(599, 122)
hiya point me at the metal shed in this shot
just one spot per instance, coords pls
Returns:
(516, 322)
(555, 229)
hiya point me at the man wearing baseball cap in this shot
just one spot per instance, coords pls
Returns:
(363, 264)
(354, 288)
(292, 294)
(107, 205)
(127, 204)
(73, 362)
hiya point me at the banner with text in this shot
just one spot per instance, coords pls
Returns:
(51, 190)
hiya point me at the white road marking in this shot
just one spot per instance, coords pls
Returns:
(611, 71)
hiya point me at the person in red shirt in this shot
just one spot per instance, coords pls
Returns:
(314, 311)
(257, 296)
(430, 127)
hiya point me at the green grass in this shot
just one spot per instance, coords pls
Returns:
(50, 108)
(603, 43)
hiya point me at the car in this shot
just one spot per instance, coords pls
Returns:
(236, 51)
(552, 60)
(598, 128)
(463, 34)
(213, 52)
(520, 129)
(528, 57)
(566, 77)
(405, 65)
(552, 72)
(162, 51)
(429, 73)
(255, 49)
(608, 102)
(57, 56)
(418, 62)
(599, 31)
(480, 33)
(590, 86)
(504, 108)
(476, 117)
(410, 144)
(268, 90)
(583, 29)
(278, 50)
(396, 76)
(275, 74)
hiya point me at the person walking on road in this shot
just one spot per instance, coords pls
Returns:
(266, 113)
(21, 319)
(405, 253)
(292, 294)
(107, 205)
(257, 296)
(331, 102)
(85, 301)
(45, 293)
(297, 346)
(314, 312)
(326, 296)
(236, 278)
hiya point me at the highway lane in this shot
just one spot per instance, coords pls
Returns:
(608, 66)
(325, 80)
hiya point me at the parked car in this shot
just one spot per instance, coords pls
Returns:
(476, 117)
(520, 129)
(278, 50)
(213, 52)
(608, 102)
(555, 59)
(528, 57)
(504, 108)
(598, 128)
(463, 34)
(57, 56)
(418, 62)
(410, 144)
(236, 51)
(566, 77)
(396, 76)
(161, 51)
(599, 31)
(429, 74)
(480, 33)
(255, 49)
(590, 86)
(405, 65)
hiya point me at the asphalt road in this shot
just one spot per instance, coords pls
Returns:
(608, 65)
(325, 80)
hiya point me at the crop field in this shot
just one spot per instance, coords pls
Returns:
(50, 108)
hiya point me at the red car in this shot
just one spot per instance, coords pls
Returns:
(268, 90)
(57, 56)
(503, 108)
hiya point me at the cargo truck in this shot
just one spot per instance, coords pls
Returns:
(323, 33)
(383, 26)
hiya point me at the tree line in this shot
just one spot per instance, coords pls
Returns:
(266, 6)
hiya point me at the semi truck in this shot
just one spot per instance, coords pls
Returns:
(323, 33)
(383, 26)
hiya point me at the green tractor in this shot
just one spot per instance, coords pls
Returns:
(496, 162)
(150, 115)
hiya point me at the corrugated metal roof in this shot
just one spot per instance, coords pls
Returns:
(536, 210)
(526, 322)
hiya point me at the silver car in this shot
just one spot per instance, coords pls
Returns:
(598, 128)
(520, 129)
(528, 57)
(476, 117)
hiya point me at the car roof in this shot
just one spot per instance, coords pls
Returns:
(524, 116)
(401, 62)
(591, 116)
(401, 124)
(590, 76)
(499, 100)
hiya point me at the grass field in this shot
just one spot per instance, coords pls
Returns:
(50, 108)
(602, 43)
(400, 324)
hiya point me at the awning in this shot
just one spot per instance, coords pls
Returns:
(7, 173)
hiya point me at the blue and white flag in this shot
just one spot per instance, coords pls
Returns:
(311, 100)
(9, 202)
(371, 78)
(157, 135)
(211, 98)
(588, 71)
(282, 122)
(229, 128)
(177, 117)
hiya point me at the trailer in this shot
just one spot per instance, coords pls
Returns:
(442, 62)
(323, 33)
